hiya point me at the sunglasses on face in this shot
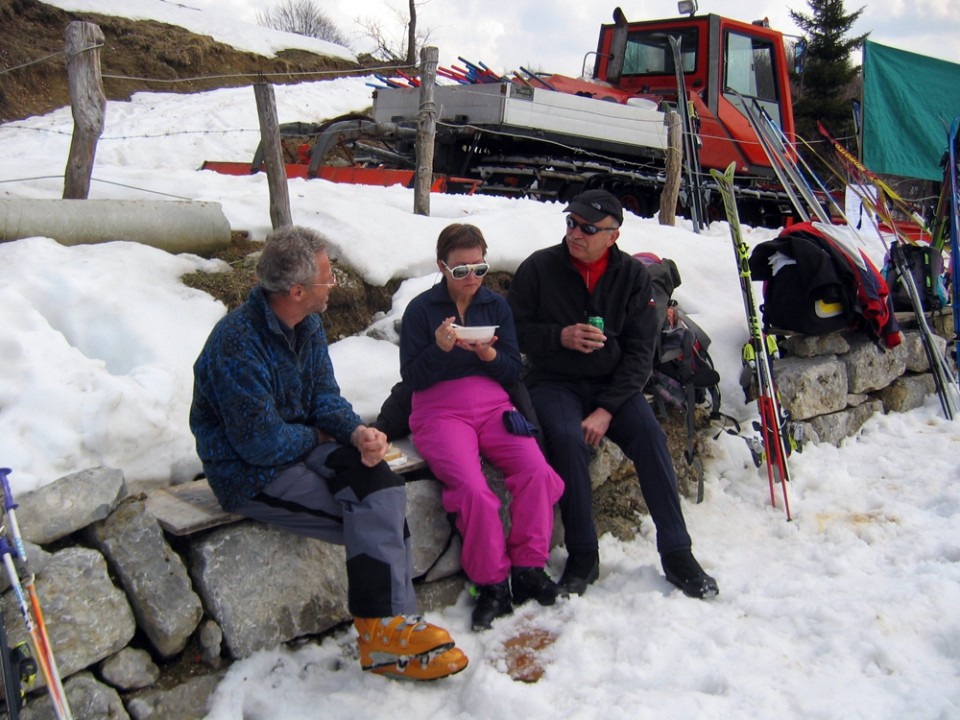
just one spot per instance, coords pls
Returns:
(460, 272)
(586, 228)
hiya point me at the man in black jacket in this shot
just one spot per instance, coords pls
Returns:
(587, 321)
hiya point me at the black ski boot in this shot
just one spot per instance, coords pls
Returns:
(493, 601)
(683, 570)
(582, 569)
(534, 583)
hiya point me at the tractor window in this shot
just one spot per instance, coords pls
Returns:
(649, 52)
(749, 69)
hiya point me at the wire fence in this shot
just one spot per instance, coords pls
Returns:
(645, 166)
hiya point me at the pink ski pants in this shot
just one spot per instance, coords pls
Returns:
(455, 422)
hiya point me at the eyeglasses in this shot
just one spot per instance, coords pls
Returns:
(332, 282)
(460, 272)
(587, 228)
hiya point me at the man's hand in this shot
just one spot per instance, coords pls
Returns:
(582, 337)
(371, 443)
(595, 426)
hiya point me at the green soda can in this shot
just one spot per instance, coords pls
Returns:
(596, 321)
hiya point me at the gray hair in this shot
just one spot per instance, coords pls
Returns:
(290, 258)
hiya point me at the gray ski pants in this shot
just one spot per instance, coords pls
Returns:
(334, 497)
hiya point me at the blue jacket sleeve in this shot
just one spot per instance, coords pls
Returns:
(243, 397)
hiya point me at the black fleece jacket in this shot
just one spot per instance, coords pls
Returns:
(547, 294)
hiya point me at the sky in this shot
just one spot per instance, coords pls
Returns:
(556, 35)
(848, 611)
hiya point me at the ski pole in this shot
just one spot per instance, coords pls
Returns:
(36, 640)
(768, 402)
(32, 614)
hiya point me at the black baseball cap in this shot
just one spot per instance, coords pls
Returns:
(594, 205)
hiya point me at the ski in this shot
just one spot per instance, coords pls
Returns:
(951, 177)
(772, 419)
(691, 151)
(30, 611)
(776, 159)
(944, 378)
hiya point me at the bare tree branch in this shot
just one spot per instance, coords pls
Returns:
(302, 17)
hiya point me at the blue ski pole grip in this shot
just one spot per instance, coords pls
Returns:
(6, 548)
(8, 502)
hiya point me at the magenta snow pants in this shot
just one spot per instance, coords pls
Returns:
(455, 422)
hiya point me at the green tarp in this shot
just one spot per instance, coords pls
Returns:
(909, 101)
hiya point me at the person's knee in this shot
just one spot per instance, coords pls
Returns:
(350, 472)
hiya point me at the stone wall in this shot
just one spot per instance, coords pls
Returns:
(143, 623)
(832, 384)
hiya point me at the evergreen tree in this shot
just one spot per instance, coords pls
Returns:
(828, 73)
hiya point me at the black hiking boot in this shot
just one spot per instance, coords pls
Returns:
(493, 601)
(682, 569)
(534, 583)
(582, 569)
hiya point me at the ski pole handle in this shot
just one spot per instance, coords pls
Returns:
(11, 507)
(8, 502)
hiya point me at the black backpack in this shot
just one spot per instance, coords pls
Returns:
(683, 375)
(926, 267)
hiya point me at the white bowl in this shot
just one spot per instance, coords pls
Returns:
(479, 333)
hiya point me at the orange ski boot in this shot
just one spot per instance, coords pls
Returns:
(408, 647)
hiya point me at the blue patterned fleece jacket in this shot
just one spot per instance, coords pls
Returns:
(257, 399)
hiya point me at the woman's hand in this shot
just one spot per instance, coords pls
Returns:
(484, 350)
(446, 337)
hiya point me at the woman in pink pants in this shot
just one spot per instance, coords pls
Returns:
(461, 412)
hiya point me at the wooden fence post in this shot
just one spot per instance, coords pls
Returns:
(671, 188)
(88, 103)
(280, 215)
(426, 131)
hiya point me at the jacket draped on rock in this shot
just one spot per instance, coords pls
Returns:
(259, 397)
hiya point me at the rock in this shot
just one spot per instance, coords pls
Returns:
(130, 669)
(211, 640)
(811, 386)
(916, 358)
(833, 428)
(434, 596)
(88, 699)
(69, 504)
(154, 577)
(907, 392)
(259, 603)
(430, 530)
(88, 618)
(813, 346)
(187, 701)
(870, 368)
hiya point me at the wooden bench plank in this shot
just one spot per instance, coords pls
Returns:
(191, 507)
(188, 508)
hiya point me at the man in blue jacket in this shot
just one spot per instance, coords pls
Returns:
(587, 320)
(281, 445)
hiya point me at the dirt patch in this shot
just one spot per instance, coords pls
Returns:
(353, 303)
(136, 56)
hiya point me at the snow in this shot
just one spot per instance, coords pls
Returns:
(849, 611)
(222, 25)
